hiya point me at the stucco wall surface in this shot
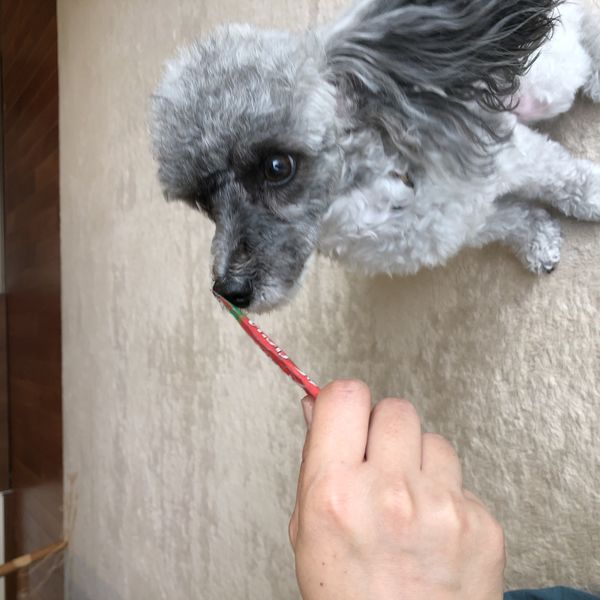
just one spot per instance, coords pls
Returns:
(182, 441)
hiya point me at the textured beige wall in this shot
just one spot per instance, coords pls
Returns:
(182, 441)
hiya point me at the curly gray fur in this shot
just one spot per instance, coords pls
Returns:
(420, 69)
(425, 82)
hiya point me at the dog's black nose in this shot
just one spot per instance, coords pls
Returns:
(238, 292)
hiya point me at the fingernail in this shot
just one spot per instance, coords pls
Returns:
(308, 404)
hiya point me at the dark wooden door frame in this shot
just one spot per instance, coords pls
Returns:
(28, 45)
(4, 439)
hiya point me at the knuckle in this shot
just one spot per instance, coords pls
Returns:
(347, 388)
(462, 523)
(399, 404)
(456, 516)
(449, 512)
(439, 441)
(399, 407)
(440, 446)
(397, 505)
(330, 502)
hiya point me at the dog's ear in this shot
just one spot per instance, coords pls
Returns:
(425, 69)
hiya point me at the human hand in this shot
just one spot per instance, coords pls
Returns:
(381, 513)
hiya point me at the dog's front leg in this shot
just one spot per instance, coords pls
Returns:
(534, 167)
(529, 231)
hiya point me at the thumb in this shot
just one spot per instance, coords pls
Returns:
(308, 405)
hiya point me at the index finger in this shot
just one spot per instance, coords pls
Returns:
(340, 425)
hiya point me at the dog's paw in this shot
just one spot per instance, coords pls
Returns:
(581, 198)
(542, 251)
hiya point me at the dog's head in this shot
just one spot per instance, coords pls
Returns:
(246, 124)
(244, 130)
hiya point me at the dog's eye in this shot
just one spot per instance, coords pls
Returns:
(279, 169)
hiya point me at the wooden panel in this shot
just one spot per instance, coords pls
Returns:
(32, 275)
(4, 448)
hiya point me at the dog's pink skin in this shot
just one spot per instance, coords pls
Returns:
(531, 110)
